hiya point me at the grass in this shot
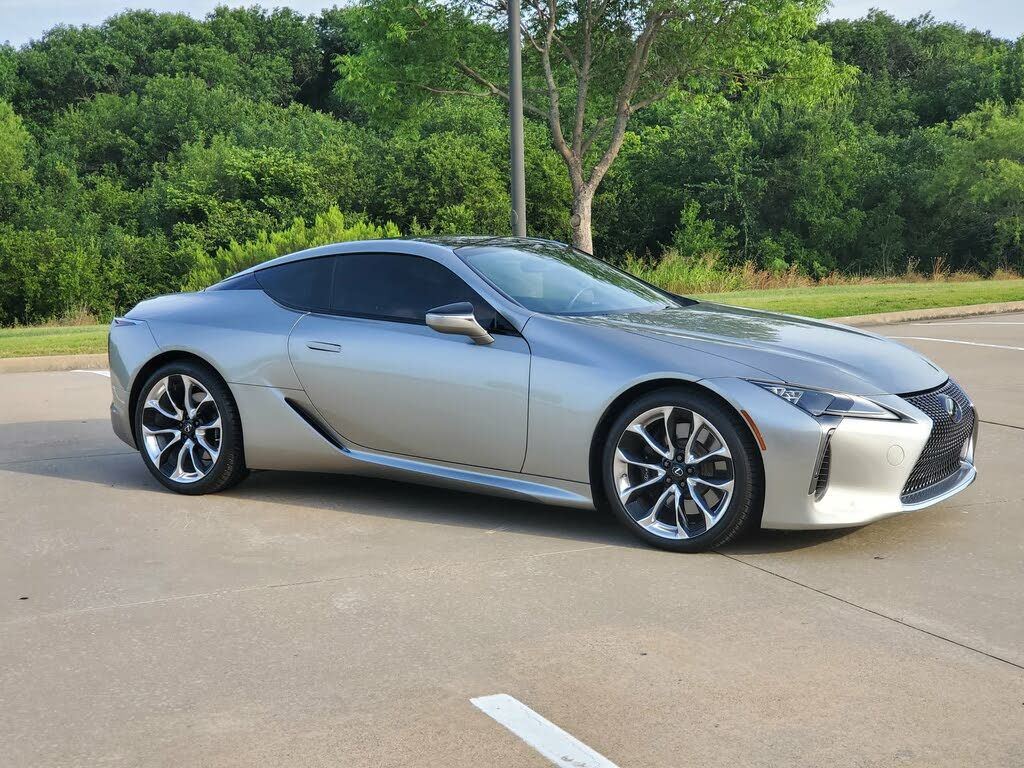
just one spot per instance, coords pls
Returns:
(847, 300)
(27, 341)
(841, 300)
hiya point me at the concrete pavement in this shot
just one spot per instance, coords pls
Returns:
(308, 620)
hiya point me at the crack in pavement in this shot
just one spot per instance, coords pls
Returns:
(1000, 424)
(873, 612)
(428, 568)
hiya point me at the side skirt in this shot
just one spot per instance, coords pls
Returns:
(284, 431)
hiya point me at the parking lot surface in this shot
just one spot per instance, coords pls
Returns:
(315, 620)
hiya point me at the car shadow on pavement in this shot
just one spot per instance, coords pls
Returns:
(111, 464)
(768, 542)
(119, 470)
(423, 503)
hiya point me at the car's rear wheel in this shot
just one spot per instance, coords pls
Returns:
(188, 429)
(681, 471)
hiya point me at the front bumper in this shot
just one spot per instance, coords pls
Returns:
(870, 461)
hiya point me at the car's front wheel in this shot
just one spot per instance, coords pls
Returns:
(188, 429)
(681, 471)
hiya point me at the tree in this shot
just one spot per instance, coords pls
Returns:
(15, 173)
(607, 59)
(919, 72)
(978, 188)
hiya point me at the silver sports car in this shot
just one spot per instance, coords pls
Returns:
(528, 369)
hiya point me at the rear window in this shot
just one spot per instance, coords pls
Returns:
(302, 284)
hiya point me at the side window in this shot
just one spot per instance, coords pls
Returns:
(302, 284)
(392, 286)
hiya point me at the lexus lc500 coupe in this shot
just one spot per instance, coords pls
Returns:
(528, 369)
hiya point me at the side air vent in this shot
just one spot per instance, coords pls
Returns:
(318, 426)
(819, 482)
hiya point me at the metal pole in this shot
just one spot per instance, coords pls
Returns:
(515, 118)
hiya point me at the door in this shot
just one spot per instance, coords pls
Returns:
(387, 382)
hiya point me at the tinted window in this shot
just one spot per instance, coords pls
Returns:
(558, 279)
(246, 282)
(398, 287)
(301, 284)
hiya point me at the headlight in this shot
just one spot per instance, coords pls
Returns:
(818, 402)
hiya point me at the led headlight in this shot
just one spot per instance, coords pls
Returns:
(818, 402)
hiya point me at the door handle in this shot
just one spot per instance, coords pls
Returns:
(324, 346)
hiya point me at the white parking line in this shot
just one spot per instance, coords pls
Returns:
(544, 736)
(98, 373)
(956, 341)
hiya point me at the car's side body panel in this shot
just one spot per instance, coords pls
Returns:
(277, 436)
(243, 334)
(131, 345)
(403, 388)
(579, 370)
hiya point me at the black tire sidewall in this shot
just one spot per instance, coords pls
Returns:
(229, 461)
(748, 485)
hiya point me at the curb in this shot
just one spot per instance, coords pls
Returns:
(935, 313)
(52, 363)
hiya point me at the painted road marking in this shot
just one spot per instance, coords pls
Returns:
(98, 373)
(544, 736)
(955, 341)
(973, 322)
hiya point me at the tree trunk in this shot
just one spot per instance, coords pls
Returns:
(582, 201)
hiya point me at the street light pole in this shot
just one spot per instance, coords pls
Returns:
(515, 118)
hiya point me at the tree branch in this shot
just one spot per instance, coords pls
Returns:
(554, 112)
(588, 141)
(583, 84)
(492, 89)
(634, 70)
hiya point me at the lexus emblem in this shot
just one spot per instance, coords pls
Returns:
(952, 408)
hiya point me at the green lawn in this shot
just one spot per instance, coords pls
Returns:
(821, 301)
(52, 340)
(847, 300)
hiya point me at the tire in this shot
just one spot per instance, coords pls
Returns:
(645, 488)
(191, 456)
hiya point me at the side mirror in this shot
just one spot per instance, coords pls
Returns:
(459, 319)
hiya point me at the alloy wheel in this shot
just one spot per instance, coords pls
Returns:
(181, 428)
(673, 472)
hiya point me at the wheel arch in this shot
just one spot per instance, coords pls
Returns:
(640, 389)
(157, 361)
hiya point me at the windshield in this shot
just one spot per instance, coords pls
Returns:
(557, 279)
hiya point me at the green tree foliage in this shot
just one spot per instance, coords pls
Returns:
(156, 151)
(330, 227)
(589, 69)
(15, 172)
(977, 190)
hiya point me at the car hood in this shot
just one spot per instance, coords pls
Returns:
(791, 349)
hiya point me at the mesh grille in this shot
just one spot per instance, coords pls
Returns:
(821, 481)
(941, 455)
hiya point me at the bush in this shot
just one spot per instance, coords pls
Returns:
(698, 237)
(330, 227)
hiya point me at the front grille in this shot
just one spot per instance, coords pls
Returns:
(942, 453)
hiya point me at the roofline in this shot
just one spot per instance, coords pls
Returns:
(416, 246)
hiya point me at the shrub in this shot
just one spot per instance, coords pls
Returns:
(330, 227)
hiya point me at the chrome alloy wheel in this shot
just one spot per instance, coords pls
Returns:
(673, 472)
(181, 428)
